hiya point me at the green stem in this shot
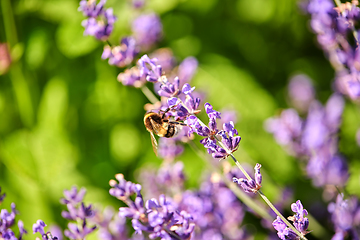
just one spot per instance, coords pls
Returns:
(20, 85)
(149, 94)
(280, 215)
(9, 23)
(232, 186)
(260, 193)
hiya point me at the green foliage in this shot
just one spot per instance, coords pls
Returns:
(66, 120)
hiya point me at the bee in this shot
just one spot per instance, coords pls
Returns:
(158, 124)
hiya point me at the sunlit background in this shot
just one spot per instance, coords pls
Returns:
(65, 120)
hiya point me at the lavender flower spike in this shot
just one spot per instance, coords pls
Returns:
(299, 220)
(147, 30)
(283, 231)
(251, 186)
(39, 227)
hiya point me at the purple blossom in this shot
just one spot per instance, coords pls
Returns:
(2, 196)
(187, 69)
(121, 55)
(251, 185)
(7, 219)
(165, 58)
(168, 89)
(286, 128)
(169, 180)
(138, 3)
(345, 217)
(147, 30)
(301, 92)
(100, 21)
(334, 28)
(158, 218)
(283, 231)
(123, 189)
(211, 112)
(77, 211)
(216, 211)
(299, 220)
(149, 69)
(212, 134)
(90, 8)
(131, 77)
(168, 149)
(111, 225)
(76, 232)
(73, 196)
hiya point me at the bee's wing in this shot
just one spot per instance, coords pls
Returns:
(158, 128)
(154, 143)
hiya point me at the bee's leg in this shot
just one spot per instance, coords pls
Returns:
(164, 112)
(177, 123)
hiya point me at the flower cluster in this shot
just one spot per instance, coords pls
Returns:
(123, 54)
(251, 185)
(111, 226)
(214, 137)
(336, 33)
(159, 218)
(147, 29)
(39, 227)
(314, 138)
(345, 217)
(77, 211)
(100, 21)
(7, 221)
(216, 211)
(299, 220)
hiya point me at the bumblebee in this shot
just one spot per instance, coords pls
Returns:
(158, 124)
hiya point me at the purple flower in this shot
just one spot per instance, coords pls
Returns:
(121, 55)
(73, 196)
(2, 196)
(123, 189)
(300, 222)
(111, 225)
(77, 211)
(286, 129)
(147, 30)
(187, 69)
(216, 211)
(168, 149)
(90, 8)
(131, 77)
(76, 232)
(345, 216)
(301, 92)
(101, 22)
(149, 69)
(138, 3)
(283, 231)
(158, 218)
(168, 89)
(165, 58)
(39, 227)
(210, 112)
(251, 185)
(7, 218)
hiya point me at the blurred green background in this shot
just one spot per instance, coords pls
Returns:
(65, 120)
